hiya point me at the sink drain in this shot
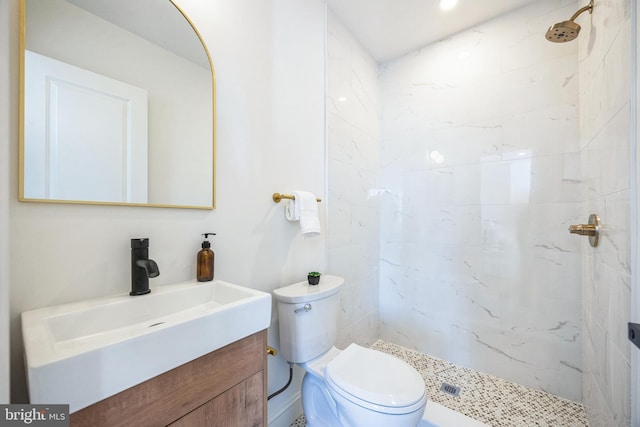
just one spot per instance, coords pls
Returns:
(450, 389)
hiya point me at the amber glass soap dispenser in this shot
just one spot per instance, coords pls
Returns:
(205, 260)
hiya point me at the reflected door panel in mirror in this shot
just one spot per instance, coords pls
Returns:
(180, 120)
(85, 135)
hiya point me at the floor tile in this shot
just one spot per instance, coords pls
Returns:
(486, 398)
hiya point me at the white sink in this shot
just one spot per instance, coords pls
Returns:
(83, 352)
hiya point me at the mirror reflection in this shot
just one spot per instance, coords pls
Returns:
(118, 104)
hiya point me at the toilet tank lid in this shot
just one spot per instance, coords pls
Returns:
(304, 292)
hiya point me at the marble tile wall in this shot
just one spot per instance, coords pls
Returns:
(481, 172)
(353, 150)
(605, 143)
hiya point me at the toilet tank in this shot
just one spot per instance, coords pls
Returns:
(308, 318)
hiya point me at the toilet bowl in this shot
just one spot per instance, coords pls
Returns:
(369, 388)
(354, 387)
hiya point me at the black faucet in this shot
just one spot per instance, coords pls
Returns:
(141, 267)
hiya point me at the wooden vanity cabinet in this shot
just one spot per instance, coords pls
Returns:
(224, 388)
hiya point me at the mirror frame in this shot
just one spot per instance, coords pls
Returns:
(21, 198)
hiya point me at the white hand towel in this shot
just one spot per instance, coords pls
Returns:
(291, 211)
(306, 207)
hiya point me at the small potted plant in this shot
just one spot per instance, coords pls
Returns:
(313, 277)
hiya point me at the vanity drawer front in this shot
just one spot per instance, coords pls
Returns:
(241, 405)
(169, 396)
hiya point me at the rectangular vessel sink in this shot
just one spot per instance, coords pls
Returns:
(81, 353)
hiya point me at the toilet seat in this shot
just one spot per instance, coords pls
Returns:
(376, 381)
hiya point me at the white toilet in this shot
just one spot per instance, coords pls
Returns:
(353, 387)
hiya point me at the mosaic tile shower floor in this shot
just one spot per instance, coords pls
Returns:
(492, 400)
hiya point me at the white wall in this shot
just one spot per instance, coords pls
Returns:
(8, 74)
(269, 61)
(353, 162)
(605, 66)
(481, 158)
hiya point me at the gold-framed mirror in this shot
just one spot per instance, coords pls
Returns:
(117, 105)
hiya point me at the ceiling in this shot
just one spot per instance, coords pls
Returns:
(391, 28)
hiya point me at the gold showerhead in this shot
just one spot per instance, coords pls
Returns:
(566, 31)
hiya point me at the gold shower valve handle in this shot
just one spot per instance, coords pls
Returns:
(592, 230)
(583, 229)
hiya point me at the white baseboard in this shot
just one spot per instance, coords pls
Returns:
(288, 413)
